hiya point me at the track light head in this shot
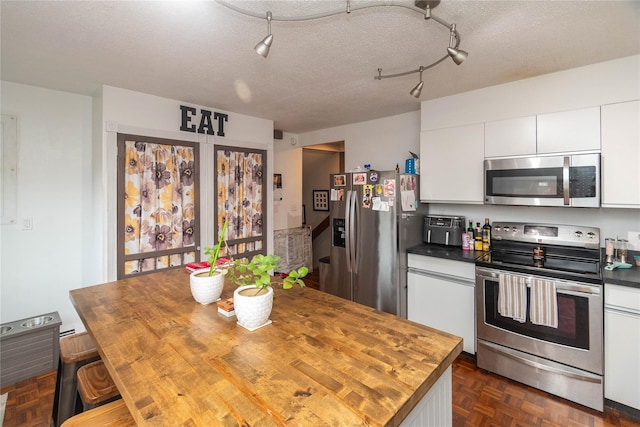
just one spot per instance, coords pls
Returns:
(416, 91)
(263, 47)
(458, 55)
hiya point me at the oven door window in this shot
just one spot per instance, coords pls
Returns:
(540, 183)
(573, 319)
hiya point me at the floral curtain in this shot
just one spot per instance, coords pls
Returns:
(159, 215)
(240, 189)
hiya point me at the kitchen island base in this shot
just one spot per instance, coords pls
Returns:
(436, 408)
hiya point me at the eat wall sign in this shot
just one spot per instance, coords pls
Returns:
(206, 121)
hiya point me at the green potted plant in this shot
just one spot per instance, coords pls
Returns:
(207, 283)
(253, 299)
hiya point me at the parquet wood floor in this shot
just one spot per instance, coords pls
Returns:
(30, 402)
(484, 399)
(480, 399)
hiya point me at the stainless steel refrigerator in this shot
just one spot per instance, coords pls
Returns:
(375, 217)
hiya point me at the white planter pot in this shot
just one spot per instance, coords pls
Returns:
(252, 310)
(204, 288)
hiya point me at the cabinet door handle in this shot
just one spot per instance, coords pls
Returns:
(448, 278)
(624, 311)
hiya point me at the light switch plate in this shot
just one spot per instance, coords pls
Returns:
(27, 223)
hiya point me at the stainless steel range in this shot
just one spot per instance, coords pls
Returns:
(539, 308)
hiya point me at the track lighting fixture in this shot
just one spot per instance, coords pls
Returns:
(263, 47)
(458, 55)
(416, 91)
(424, 7)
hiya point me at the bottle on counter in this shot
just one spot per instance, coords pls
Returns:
(486, 235)
(466, 242)
(478, 237)
(471, 231)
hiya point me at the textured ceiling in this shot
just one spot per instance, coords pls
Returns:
(319, 73)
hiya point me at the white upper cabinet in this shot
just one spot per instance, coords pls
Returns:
(621, 155)
(451, 164)
(511, 137)
(569, 131)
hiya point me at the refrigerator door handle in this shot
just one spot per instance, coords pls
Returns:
(347, 230)
(355, 250)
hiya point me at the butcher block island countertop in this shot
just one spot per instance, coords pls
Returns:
(323, 361)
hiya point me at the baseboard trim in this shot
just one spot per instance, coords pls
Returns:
(633, 413)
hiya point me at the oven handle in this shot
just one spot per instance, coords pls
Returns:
(560, 285)
(575, 375)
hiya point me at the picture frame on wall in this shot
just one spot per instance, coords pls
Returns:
(320, 200)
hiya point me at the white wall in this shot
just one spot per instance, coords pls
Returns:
(593, 85)
(73, 203)
(40, 266)
(612, 222)
(383, 143)
(287, 160)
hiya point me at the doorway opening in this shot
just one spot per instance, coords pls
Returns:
(318, 162)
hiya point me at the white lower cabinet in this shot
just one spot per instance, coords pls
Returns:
(622, 344)
(440, 294)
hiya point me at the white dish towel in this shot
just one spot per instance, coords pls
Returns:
(543, 307)
(512, 297)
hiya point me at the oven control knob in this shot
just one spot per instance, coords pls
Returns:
(578, 234)
(506, 228)
(591, 235)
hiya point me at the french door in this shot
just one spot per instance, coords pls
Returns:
(157, 203)
(240, 198)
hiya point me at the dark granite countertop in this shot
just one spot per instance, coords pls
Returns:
(454, 253)
(624, 277)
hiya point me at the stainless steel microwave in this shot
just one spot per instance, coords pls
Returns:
(571, 181)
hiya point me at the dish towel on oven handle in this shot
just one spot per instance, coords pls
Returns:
(543, 305)
(512, 297)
